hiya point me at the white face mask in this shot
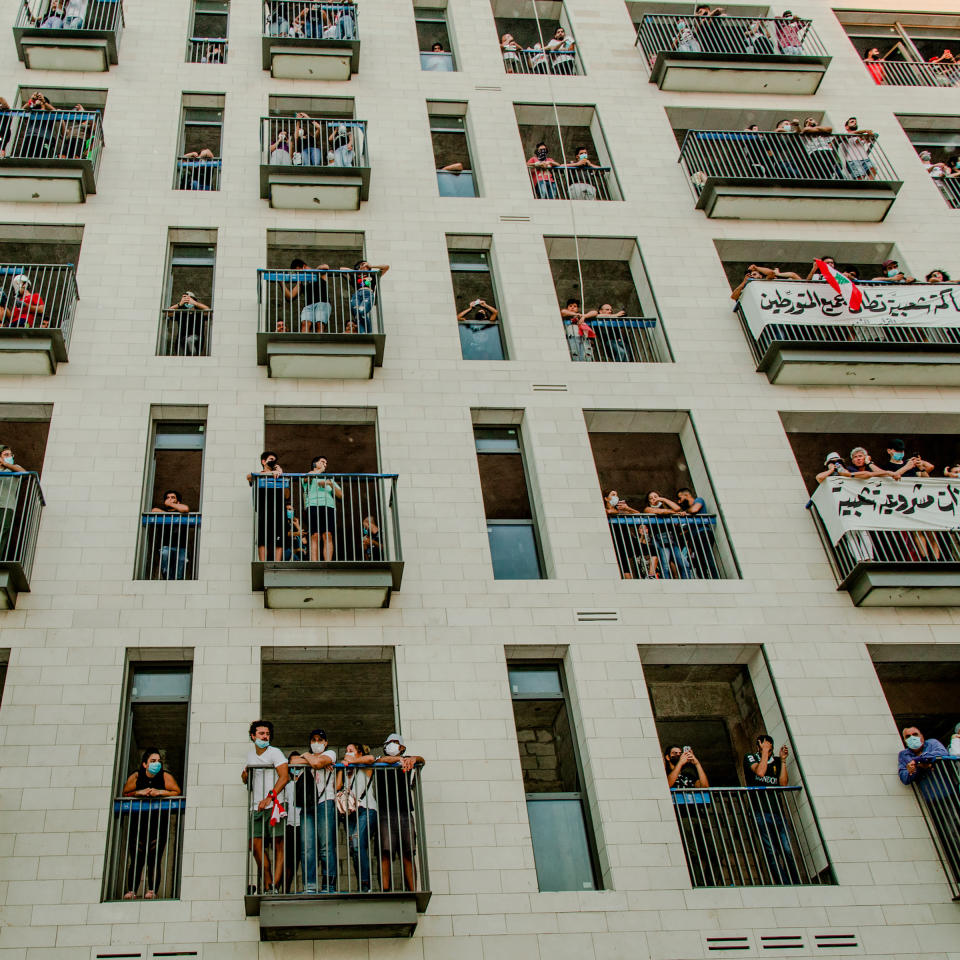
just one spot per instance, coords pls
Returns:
(614, 500)
(392, 749)
(8, 459)
(318, 747)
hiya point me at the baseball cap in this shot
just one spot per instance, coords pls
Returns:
(394, 736)
(889, 263)
(322, 734)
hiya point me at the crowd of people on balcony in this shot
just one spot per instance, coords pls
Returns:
(302, 807)
(556, 55)
(943, 68)
(316, 21)
(60, 15)
(710, 31)
(576, 176)
(305, 141)
(43, 131)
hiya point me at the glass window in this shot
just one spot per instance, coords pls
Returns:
(562, 865)
(481, 332)
(513, 550)
(433, 36)
(534, 679)
(155, 684)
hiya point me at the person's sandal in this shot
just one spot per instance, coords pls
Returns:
(150, 895)
(130, 895)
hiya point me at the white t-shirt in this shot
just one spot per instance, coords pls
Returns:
(263, 780)
(356, 779)
(326, 779)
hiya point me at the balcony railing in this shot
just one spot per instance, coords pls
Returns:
(938, 794)
(52, 137)
(326, 854)
(206, 50)
(167, 546)
(746, 837)
(144, 847)
(949, 187)
(21, 504)
(557, 63)
(899, 73)
(729, 38)
(616, 340)
(88, 21)
(437, 62)
(47, 302)
(314, 142)
(310, 21)
(785, 159)
(572, 182)
(653, 548)
(194, 173)
(184, 333)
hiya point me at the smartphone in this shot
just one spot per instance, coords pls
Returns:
(686, 749)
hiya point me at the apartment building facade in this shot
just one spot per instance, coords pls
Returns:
(463, 269)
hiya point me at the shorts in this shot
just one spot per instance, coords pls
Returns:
(320, 520)
(396, 835)
(262, 829)
(271, 518)
(859, 168)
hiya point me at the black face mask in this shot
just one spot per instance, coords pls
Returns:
(482, 315)
(542, 153)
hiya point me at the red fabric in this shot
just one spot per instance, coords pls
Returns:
(19, 311)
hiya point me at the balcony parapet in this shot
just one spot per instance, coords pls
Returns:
(87, 39)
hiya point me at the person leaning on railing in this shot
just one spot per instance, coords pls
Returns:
(756, 272)
(149, 826)
(9, 494)
(663, 536)
(173, 558)
(316, 796)
(357, 804)
(394, 789)
(630, 541)
(311, 296)
(561, 49)
(916, 761)
(271, 492)
(580, 181)
(363, 301)
(266, 838)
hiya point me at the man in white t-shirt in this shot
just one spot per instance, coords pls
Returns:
(266, 839)
(318, 820)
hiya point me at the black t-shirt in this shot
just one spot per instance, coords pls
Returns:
(308, 136)
(687, 777)
(393, 791)
(894, 467)
(770, 779)
(314, 290)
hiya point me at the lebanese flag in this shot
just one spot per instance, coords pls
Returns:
(277, 813)
(843, 285)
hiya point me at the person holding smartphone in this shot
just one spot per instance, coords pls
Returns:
(765, 771)
(683, 769)
(270, 493)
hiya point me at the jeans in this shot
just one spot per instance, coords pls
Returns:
(346, 30)
(74, 23)
(279, 27)
(361, 308)
(318, 829)
(173, 563)
(775, 838)
(317, 314)
(361, 825)
(547, 189)
(311, 157)
(343, 157)
(53, 22)
(580, 349)
(680, 555)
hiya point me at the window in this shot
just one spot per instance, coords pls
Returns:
(170, 517)
(479, 320)
(433, 36)
(451, 149)
(198, 154)
(186, 313)
(207, 42)
(144, 842)
(535, 37)
(511, 524)
(560, 827)
(937, 142)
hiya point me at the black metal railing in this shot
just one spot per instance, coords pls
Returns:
(745, 837)
(329, 517)
(938, 794)
(782, 158)
(949, 187)
(72, 16)
(913, 73)
(206, 50)
(733, 38)
(377, 844)
(47, 300)
(52, 135)
(663, 548)
(319, 301)
(184, 332)
(557, 63)
(313, 142)
(167, 546)
(615, 340)
(310, 21)
(144, 848)
(21, 504)
(572, 182)
(198, 173)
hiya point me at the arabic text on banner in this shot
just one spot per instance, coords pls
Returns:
(886, 504)
(921, 305)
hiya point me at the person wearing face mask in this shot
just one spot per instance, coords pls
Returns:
(581, 183)
(893, 274)
(900, 466)
(149, 824)
(955, 742)
(356, 780)
(561, 52)
(630, 540)
(265, 787)
(9, 494)
(340, 138)
(916, 761)
(683, 769)
(395, 803)
(318, 819)
(541, 167)
(271, 491)
(765, 771)
(320, 496)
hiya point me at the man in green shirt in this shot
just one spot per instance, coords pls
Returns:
(320, 495)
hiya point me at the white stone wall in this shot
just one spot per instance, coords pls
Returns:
(450, 623)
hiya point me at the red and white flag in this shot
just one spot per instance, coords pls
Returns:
(277, 813)
(843, 285)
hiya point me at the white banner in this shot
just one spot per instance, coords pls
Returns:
(887, 504)
(914, 304)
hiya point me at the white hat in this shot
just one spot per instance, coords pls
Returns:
(831, 457)
(19, 282)
(395, 736)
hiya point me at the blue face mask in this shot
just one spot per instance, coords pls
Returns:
(261, 744)
(896, 456)
(914, 742)
(154, 768)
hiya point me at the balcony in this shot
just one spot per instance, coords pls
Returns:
(198, 173)
(340, 856)
(344, 556)
(314, 164)
(437, 61)
(905, 73)
(949, 190)
(184, 333)
(745, 837)
(573, 182)
(617, 340)
(744, 175)
(87, 41)
(902, 335)
(207, 50)
(536, 60)
(938, 795)
(167, 546)
(21, 503)
(892, 542)
(36, 317)
(732, 54)
(52, 156)
(667, 548)
(338, 337)
(310, 41)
